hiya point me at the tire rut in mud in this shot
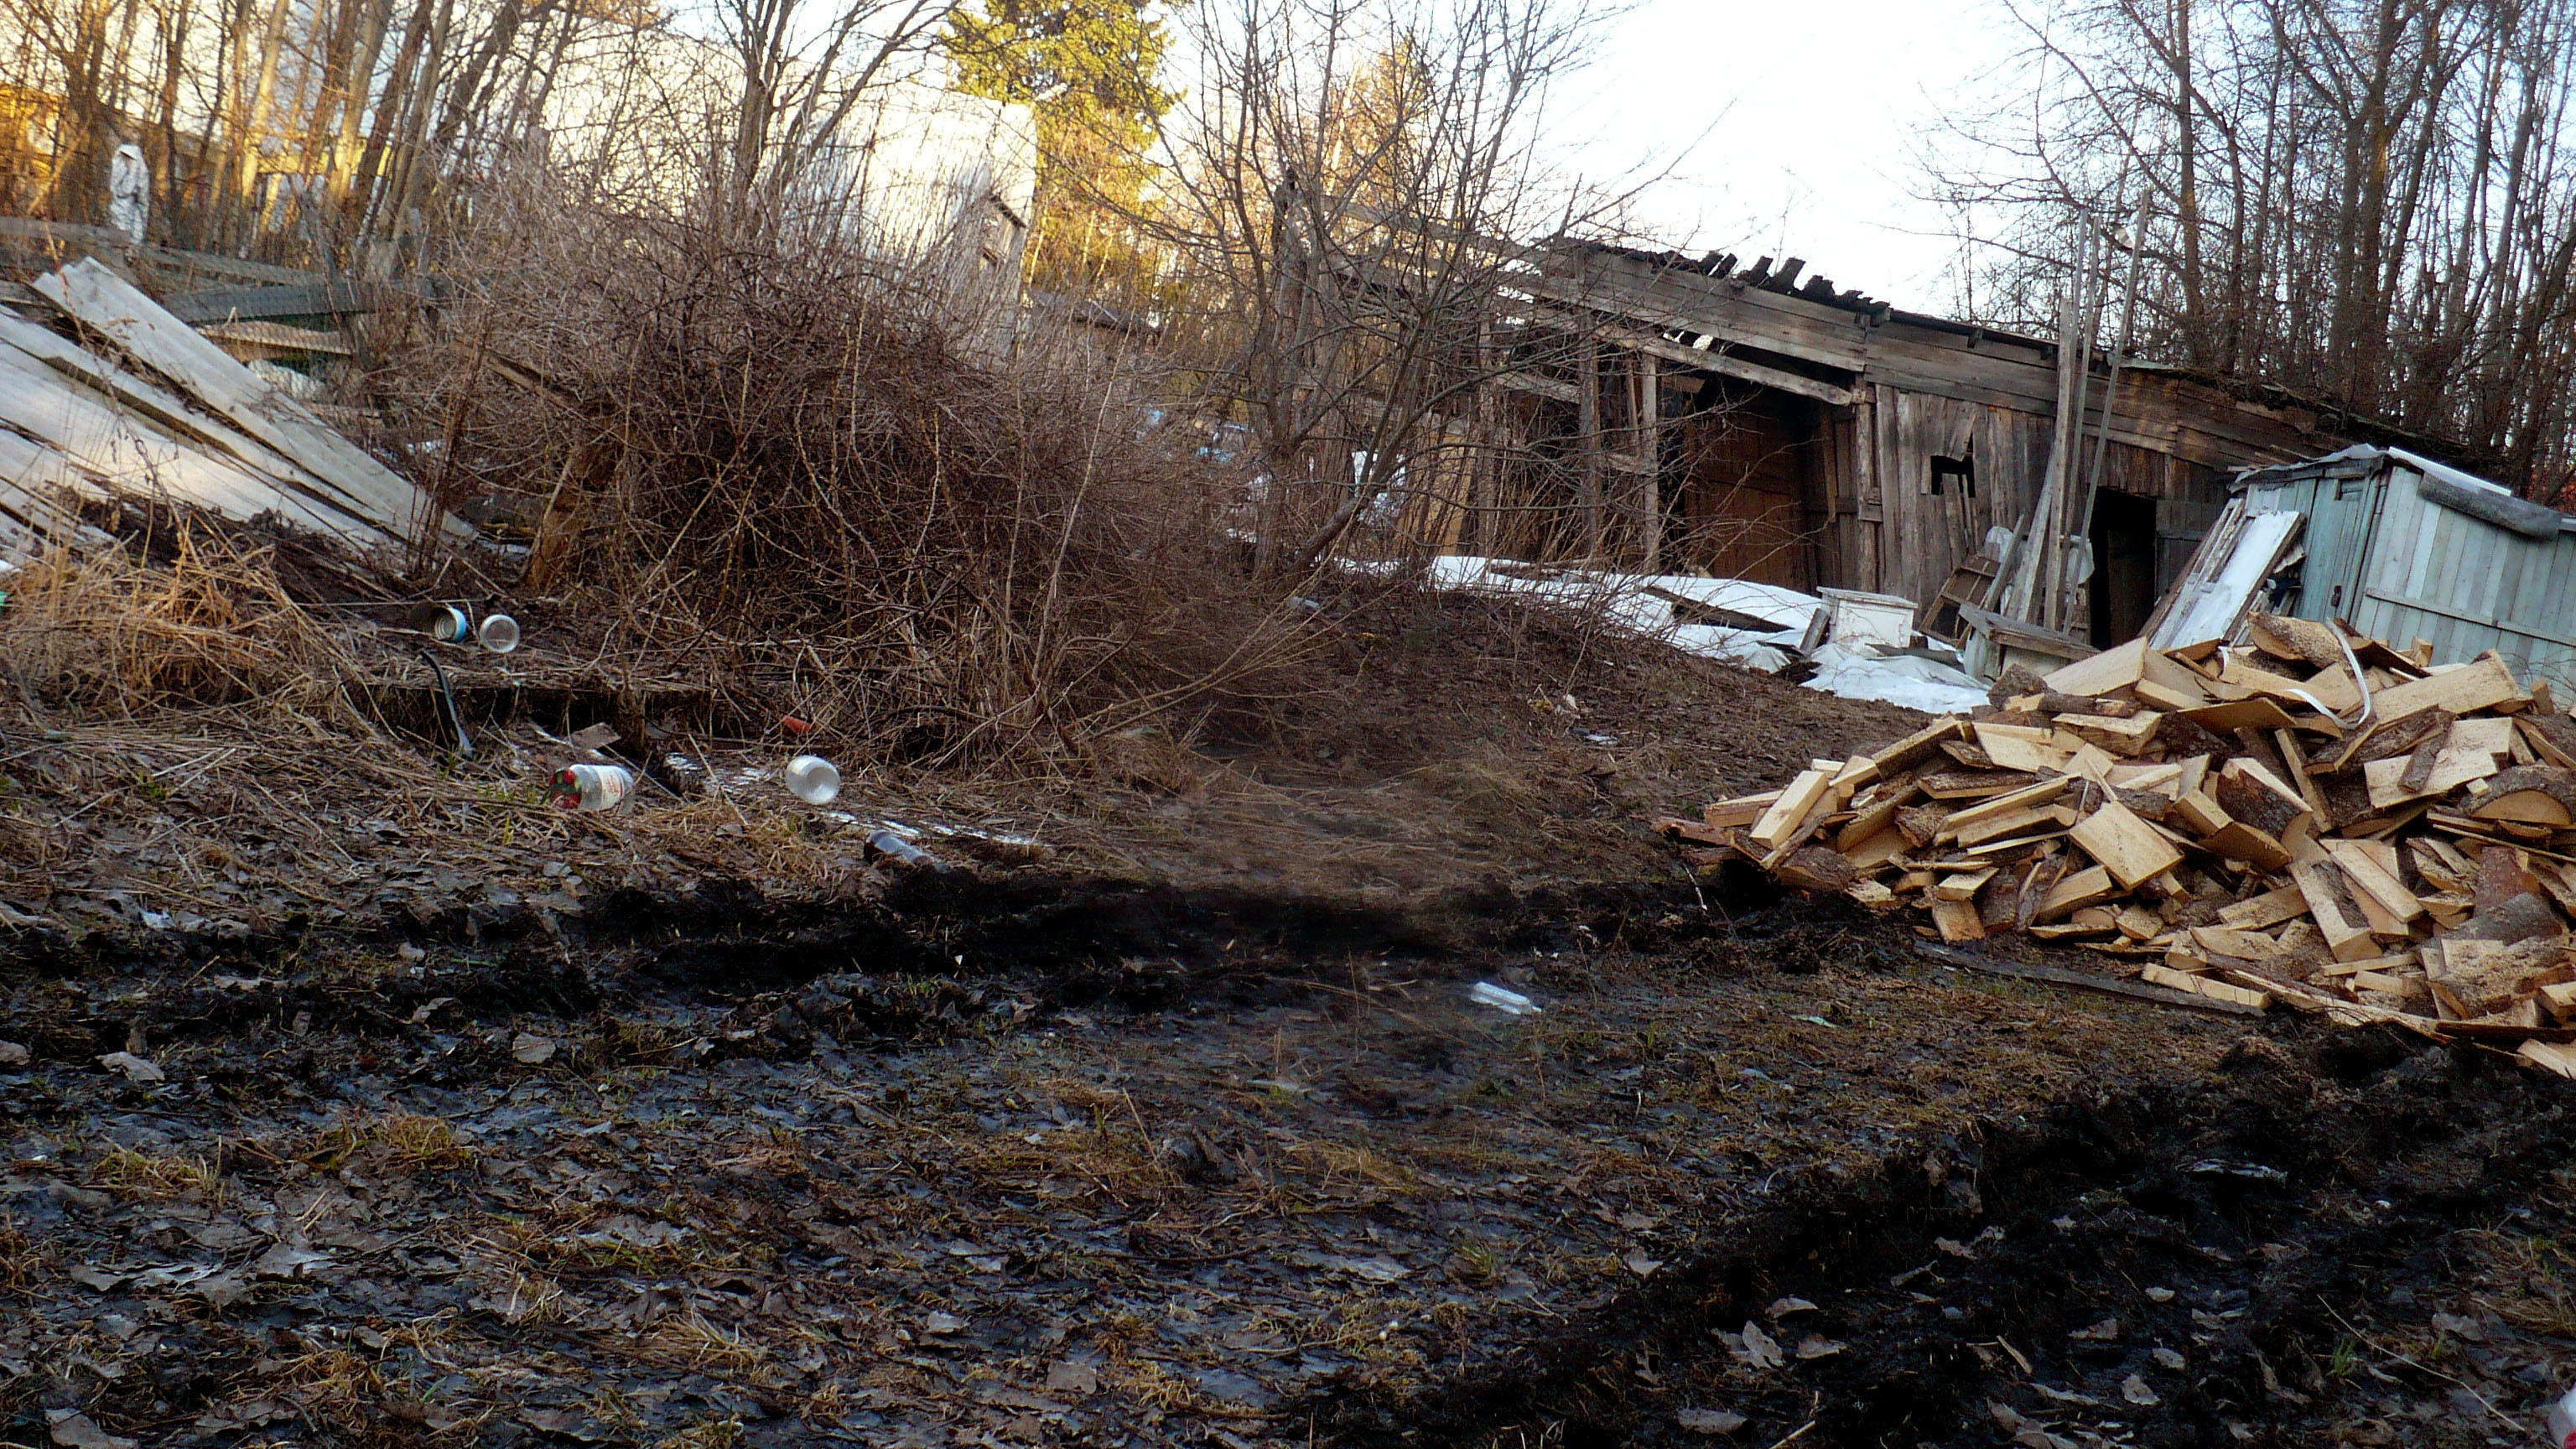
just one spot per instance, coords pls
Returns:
(1056, 941)
(2155, 1264)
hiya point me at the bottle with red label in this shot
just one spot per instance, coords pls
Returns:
(588, 789)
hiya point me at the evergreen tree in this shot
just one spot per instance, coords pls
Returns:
(1089, 68)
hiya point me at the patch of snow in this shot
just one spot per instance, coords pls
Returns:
(1636, 602)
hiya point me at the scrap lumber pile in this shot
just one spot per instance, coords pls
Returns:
(2312, 818)
(104, 393)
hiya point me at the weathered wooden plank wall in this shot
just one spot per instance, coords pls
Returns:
(1752, 487)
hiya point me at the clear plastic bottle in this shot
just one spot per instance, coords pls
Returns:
(812, 779)
(890, 846)
(2562, 1422)
(591, 788)
(499, 634)
(1502, 999)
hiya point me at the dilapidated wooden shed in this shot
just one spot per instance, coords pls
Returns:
(1733, 420)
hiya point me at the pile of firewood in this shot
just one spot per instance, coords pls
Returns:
(2311, 817)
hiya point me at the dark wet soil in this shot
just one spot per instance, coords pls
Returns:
(1012, 1160)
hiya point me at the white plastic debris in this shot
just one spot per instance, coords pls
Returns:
(1907, 679)
(589, 789)
(1502, 999)
(135, 1068)
(1767, 625)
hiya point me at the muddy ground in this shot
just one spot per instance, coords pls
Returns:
(1029, 1162)
(350, 1096)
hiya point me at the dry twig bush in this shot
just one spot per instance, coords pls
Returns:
(795, 474)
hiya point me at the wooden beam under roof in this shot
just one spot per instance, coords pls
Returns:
(1711, 359)
(1547, 387)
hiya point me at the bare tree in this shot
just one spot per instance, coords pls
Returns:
(1343, 177)
(2368, 202)
(803, 68)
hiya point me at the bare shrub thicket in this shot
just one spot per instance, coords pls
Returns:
(2367, 200)
(777, 467)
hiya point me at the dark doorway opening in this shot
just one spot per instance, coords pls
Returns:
(2124, 566)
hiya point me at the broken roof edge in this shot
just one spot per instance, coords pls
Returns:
(1781, 281)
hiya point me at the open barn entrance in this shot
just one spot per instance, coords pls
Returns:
(2124, 565)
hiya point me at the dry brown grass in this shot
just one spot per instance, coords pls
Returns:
(1341, 1165)
(411, 1142)
(2532, 1281)
(693, 1341)
(208, 622)
(155, 1178)
(19, 1259)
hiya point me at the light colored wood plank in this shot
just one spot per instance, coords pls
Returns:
(2087, 887)
(1799, 799)
(2269, 909)
(2491, 733)
(2231, 941)
(1855, 774)
(1919, 746)
(2004, 805)
(2156, 694)
(1879, 815)
(1873, 894)
(2549, 1057)
(1743, 810)
(2064, 817)
(2200, 814)
(2483, 683)
(2130, 737)
(2297, 761)
(113, 450)
(1958, 921)
(2036, 819)
(2120, 667)
(2215, 990)
(2395, 963)
(2371, 869)
(1876, 852)
(134, 399)
(101, 300)
(2346, 939)
(2160, 777)
(2255, 712)
(2091, 762)
(2239, 841)
(2452, 769)
(2020, 747)
(2124, 845)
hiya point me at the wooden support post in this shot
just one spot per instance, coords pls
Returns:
(1483, 455)
(1648, 417)
(1587, 427)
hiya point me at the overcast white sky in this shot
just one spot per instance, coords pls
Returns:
(1814, 113)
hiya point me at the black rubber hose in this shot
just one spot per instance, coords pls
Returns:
(455, 717)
